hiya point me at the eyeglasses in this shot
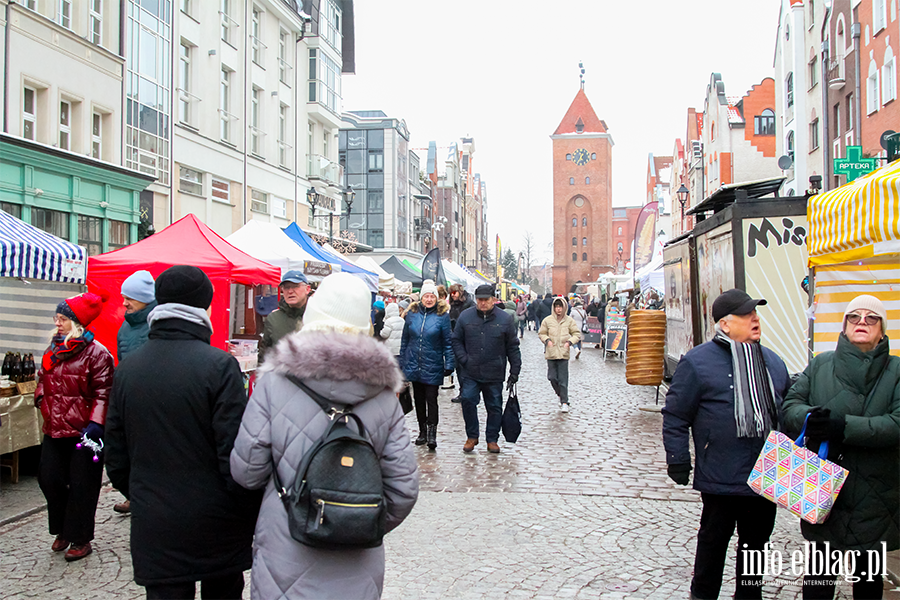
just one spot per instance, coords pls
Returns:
(870, 320)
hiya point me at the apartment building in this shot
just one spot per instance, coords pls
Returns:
(879, 52)
(659, 178)
(61, 146)
(841, 114)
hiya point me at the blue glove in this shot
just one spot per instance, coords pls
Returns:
(93, 431)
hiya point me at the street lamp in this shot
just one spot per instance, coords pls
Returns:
(682, 194)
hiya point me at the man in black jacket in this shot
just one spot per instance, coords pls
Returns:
(483, 341)
(459, 301)
(174, 413)
(542, 309)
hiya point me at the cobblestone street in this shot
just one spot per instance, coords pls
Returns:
(579, 508)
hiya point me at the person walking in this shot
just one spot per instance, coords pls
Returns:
(139, 298)
(727, 393)
(392, 331)
(460, 300)
(336, 358)
(484, 341)
(852, 398)
(426, 357)
(559, 332)
(288, 317)
(579, 315)
(543, 309)
(529, 313)
(176, 408)
(521, 316)
(73, 387)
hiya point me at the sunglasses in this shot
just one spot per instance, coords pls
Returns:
(869, 320)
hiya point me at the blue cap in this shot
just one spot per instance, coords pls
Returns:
(294, 277)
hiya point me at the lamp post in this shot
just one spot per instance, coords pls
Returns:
(312, 196)
(348, 194)
(682, 194)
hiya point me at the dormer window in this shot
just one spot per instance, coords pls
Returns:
(579, 126)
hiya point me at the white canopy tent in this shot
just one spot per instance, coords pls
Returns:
(267, 242)
(386, 281)
(469, 281)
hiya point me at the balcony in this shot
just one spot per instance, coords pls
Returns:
(319, 167)
(835, 74)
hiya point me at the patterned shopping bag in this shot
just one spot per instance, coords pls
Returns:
(796, 478)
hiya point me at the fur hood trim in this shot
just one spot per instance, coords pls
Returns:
(335, 356)
(442, 307)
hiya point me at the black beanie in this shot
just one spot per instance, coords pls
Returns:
(183, 284)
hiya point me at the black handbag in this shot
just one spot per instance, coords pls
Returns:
(511, 422)
(406, 401)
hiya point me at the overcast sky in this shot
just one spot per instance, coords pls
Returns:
(504, 73)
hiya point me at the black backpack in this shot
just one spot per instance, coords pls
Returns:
(337, 498)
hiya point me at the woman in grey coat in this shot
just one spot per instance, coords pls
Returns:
(335, 356)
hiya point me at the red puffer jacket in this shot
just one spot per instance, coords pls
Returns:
(75, 391)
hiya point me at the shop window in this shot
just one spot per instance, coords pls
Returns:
(119, 234)
(90, 234)
(52, 221)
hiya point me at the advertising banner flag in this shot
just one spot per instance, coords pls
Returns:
(645, 236)
(432, 267)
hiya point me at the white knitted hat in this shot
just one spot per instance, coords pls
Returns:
(870, 303)
(428, 287)
(342, 303)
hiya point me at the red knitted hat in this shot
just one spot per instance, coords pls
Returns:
(87, 306)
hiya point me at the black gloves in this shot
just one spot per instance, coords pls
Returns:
(93, 431)
(448, 372)
(680, 473)
(822, 426)
(511, 381)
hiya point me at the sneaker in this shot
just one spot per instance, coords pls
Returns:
(123, 507)
(493, 447)
(77, 552)
(564, 407)
(59, 544)
(578, 355)
(470, 444)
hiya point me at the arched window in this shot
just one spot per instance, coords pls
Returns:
(584, 256)
(587, 181)
(574, 257)
(568, 157)
(574, 221)
(620, 231)
(764, 123)
(584, 241)
(593, 156)
(789, 90)
(584, 221)
(571, 181)
(790, 145)
(574, 241)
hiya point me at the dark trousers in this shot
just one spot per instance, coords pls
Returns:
(226, 587)
(821, 587)
(493, 404)
(755, 520)
(70, 480)
(558, 374)
(426, 396)
(521, 327)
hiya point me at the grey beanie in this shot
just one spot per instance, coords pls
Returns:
(139, 286)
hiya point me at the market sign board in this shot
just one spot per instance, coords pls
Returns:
(854, 165)
(316, 268)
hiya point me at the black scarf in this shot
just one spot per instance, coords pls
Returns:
(755, 414)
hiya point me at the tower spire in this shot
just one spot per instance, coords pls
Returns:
(581, 75)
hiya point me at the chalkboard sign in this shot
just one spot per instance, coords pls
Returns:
(593, 333)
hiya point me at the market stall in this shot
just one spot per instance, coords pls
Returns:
(854, 248)
(268, 243)
(402, 272)
(37, 270)
(337, 262)
(386, 281)
(187, 241)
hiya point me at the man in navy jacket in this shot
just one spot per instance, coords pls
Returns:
(483, 341)
(729, 428)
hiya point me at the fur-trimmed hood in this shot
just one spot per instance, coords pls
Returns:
(328, 362)
(442, 307)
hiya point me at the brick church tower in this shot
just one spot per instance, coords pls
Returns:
(582, 197)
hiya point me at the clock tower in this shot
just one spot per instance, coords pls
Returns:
(582, 197)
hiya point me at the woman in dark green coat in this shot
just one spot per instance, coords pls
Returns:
(852, 396)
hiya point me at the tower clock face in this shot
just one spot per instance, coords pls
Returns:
(581, 157)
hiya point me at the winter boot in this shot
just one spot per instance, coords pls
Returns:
(421, 439)
(432, 437)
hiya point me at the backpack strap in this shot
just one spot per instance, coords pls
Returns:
(332, 409)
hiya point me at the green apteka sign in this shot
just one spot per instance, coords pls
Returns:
(854, 165)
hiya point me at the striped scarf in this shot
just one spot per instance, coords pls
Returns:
(61, 350)
(755, 414)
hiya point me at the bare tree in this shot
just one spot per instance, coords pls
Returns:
(528, 251)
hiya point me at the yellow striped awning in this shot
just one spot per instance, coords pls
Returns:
(858, 220)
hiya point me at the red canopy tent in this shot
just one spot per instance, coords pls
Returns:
(185, 242)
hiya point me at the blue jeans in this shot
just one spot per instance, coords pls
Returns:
(522, 323)
(493, 404)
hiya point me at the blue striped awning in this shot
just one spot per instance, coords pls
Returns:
(28, 252)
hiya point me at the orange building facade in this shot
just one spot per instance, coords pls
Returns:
(582, 197)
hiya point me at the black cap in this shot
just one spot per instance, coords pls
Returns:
(484, 291)
(184, 284)
(734, 302)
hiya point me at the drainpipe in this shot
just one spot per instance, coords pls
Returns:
(857, 137)
(124, 115)
(826, 137)
(245, 128)
(6, 68)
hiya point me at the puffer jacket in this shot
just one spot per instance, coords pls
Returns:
(521, 310)
(75, 391)
(558, 331)
(484, 342)
(425, 350)
(282, 423)
(863, 388)
(392, 332)
(284, 320)
(134, 331)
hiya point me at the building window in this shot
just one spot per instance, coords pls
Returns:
(849, 111)
(225, 105)
(65, 13)
(119, 234)
(259, 201)
(12, 209)
(574, 257)
(789, 88)
(256, 134)
(872, 89)
(97, 136)
(879, 15)
(283, 147)
(587, 181)
(65, 126)
(620, 231)
(888, 77)
(52, 221)
(190, 181)
(332, 23)
(584, 256)
(279, 208)
(221, 190)
(836, 120)
(568, 157)
(574, 241)
(813, 72)
(227, 22)
(30, 5)
(96, 16)
(284, 65)
(574, 221)
(571, 181)
(376, 161)
(90, 234)
(256, 45)
(584, 221)
(186, 7)
(376, 238)
(184, 82)
(584, 241)
(790, 145)
(324, 80)
(29, 113)
(814, 135)
(593, 156)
